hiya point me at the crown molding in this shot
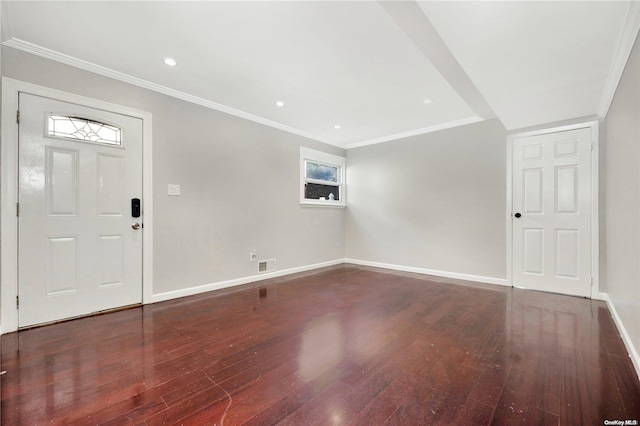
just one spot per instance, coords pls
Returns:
(5, 24)
(53, 55)
(625, 44)
(56, 56)
(431, 129)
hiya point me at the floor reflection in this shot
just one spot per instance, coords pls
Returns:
(322, 347)
(347, 345)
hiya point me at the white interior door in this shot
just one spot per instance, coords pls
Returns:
(552, 212)
(79, 251)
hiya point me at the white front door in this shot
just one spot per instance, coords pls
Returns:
(552, 212)
(79, 250)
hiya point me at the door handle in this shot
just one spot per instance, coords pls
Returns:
(517, 215)
(136, 225)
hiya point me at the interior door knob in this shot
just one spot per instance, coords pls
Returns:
(517, 215)
(136, 226)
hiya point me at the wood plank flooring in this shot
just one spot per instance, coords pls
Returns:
(343, 345)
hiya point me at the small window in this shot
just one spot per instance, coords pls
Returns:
(322, 171)
(322, 178)
(83, 129)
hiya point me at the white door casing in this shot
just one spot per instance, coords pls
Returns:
(552, 191)
(9, 194)
(78, 252)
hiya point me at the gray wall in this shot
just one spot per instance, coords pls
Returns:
(239, 183)
(435, 201)
(622, 192)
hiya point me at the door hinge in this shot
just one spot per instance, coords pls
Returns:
(18, 116)
(17, 302)
(18, 209)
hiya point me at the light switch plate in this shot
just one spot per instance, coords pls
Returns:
(174, 189)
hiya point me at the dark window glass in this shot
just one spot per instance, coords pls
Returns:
(316, 191)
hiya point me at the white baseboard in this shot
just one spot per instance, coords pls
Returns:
(633, 353)
(168, 295)
(174, 294)
(445, 274)
(600, 296)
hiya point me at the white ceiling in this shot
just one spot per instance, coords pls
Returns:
(366, 66)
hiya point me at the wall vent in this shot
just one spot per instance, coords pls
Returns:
(266, 266)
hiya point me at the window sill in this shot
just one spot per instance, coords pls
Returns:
(313, 203)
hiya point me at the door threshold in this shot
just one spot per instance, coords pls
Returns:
(93, 314)
(552, 292)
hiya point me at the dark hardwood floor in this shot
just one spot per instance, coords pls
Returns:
(345, 345)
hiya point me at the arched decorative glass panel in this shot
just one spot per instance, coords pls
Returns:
(83, 129)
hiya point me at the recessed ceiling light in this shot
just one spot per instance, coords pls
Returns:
(427, 101)
(337, 126)
(170, 61)
(280, 104)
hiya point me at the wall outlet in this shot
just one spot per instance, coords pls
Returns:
(252, 256)
(173, 189)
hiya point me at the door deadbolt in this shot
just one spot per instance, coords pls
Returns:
(135, 207)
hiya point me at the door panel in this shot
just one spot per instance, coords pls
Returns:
(552, 192)
(533, 251)
(111, 185)
(78, 253)
(62, 169)
(62, 265)
(533, 201)
(567, 253)
(532, 151)
(111, 259)
(566, 189)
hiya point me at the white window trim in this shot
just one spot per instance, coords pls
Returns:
(328, 159)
